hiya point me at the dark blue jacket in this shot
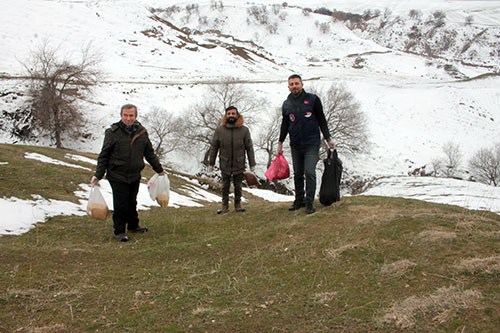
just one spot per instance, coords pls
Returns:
(303, 118)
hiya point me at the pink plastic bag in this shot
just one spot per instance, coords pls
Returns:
(279, 169)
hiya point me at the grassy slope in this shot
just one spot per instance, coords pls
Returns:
(364, 264)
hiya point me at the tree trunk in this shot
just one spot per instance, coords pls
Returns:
(57, 128)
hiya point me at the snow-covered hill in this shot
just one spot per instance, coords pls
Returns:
(159, 54)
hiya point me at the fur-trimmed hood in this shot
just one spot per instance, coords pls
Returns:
(239, 122)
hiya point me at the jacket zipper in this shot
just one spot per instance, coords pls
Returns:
(232, 148)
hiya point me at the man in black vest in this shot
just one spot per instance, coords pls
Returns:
(303, 118)
(126, 144)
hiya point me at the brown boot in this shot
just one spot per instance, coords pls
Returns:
(224, 209)
(238, 208)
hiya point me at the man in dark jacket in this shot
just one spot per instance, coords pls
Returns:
(303, 118)
(233, 140)
(126, 144)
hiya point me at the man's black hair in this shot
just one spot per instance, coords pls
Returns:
(232, 108)
(295, 76)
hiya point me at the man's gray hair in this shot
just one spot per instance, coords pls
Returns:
(128, 106)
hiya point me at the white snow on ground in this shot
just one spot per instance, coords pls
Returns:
(81, 158)
(440, 190)
(269, 195)
(46, 159)
(19, 216)
(200, 194)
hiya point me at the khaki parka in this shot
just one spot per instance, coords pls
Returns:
(232, 141)
(122, 154)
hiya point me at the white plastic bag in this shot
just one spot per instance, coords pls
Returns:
(159, 189)
(96, 206)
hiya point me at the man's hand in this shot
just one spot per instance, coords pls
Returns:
(252, 170)
(331, 144)
(161, 173)
(94, 181)
(280, 147)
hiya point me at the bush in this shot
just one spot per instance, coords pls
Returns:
(415, 14)
(324, 27)
(323, 11)
(259, 13)
(485, 165)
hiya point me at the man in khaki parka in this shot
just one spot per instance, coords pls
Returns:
(232, 139)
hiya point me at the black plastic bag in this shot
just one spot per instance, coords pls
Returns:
(330, 181)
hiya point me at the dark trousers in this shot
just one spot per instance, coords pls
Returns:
(226, 183)
(125, 206)
(304, 166)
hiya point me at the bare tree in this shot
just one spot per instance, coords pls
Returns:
(453, 158)
(163, 128)
(268, 140)
(436, 164)
(346, 121)
(485, 165)
(207, 114)
(56, 86)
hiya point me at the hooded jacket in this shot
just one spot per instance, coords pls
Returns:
(233, 141)
(122, 154)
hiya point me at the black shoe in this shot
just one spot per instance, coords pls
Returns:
(139, 229)
(121, 237)
(310, 209)
(296, 206)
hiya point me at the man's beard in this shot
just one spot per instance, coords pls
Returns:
(231, 120)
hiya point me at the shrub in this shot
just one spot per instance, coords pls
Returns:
(485, 165)
(324, 27)
(259, 13)
(415, 14)
(323, 11)
(469, 20)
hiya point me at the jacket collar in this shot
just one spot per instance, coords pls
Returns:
(238, 123)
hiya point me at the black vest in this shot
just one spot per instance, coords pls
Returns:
(303, 125)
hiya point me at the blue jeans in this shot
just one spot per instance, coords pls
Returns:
(304, 165)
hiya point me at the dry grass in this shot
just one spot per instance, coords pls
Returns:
(398, 268)
(333, 254)
(51, 329)
(434, 236)
(490, 265)
(442, 304)
(324, 297)
(490, 234)
(265, 270)
(201, 310)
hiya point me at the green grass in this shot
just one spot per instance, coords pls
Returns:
(263, 270)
